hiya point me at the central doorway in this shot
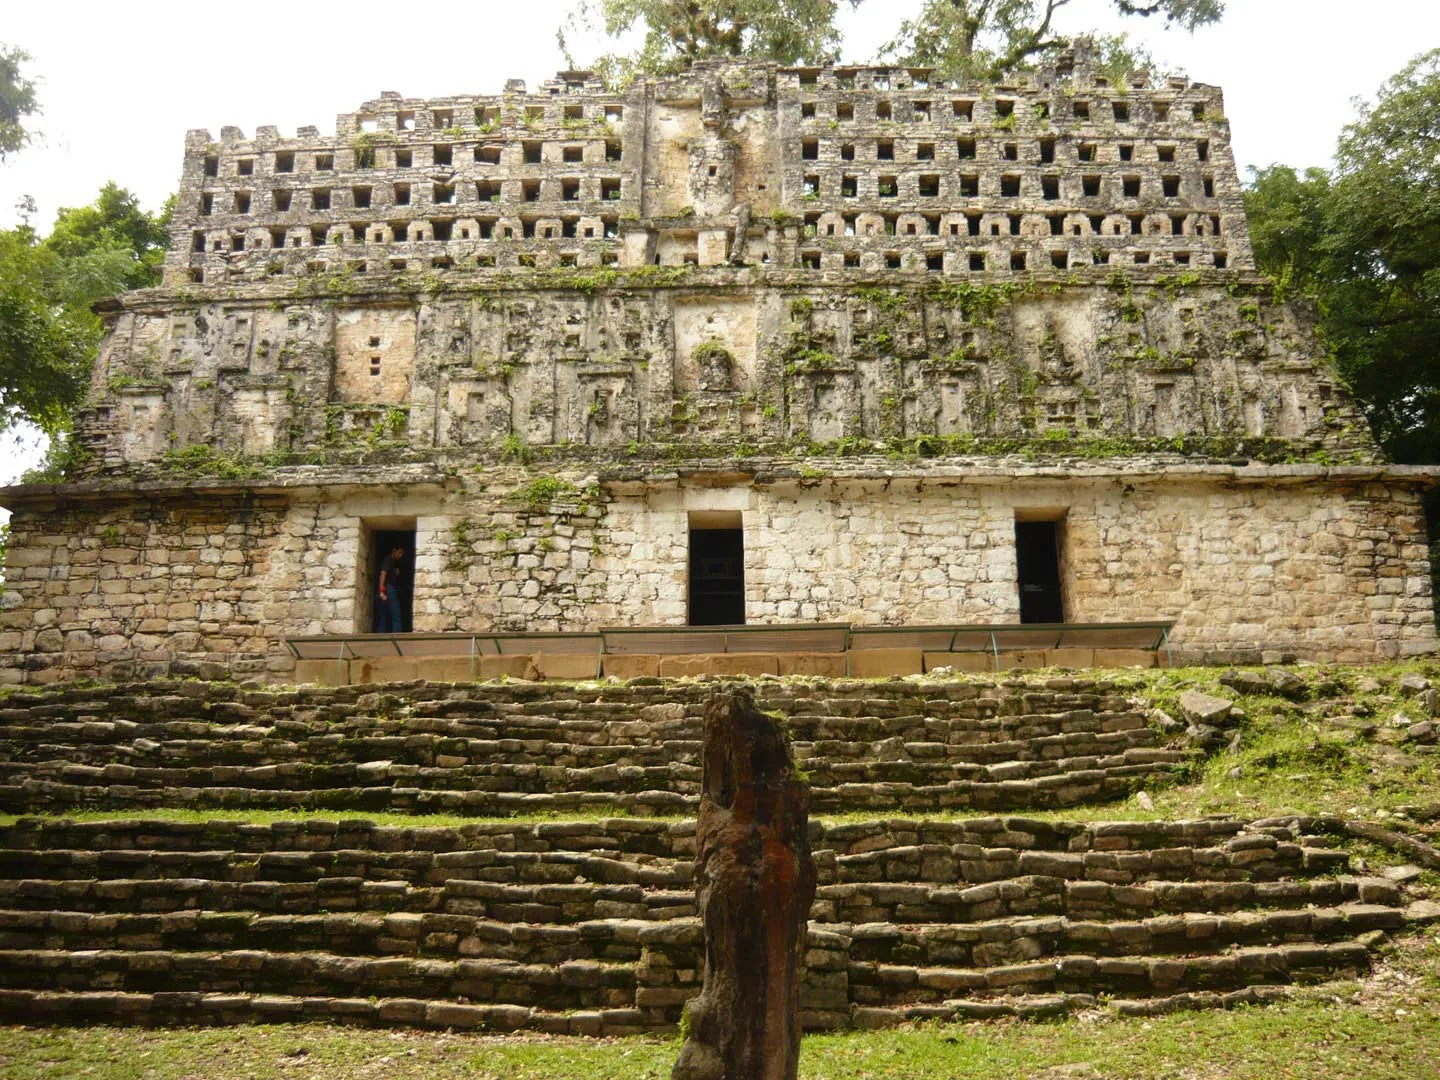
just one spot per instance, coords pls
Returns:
(377, 545)
(1037, 558)
(717, 569)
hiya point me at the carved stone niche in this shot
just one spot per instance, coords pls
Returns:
(140, 423)
(374, 355)
(715, 345)
(260, 414)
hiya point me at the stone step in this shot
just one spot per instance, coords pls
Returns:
(1030, 896)
(523, 933)
(1253, 856)
(213, 883)
(405, 795)
(633, 835)
(873, 984)
(415, 868)
(595, 725)
(125, 895)
(506, 776)
(832, 993)
(998, 695)
(890, 847)
(47, 1007)
(1000, 942)
(214, 1009)
(355, 935)
(574, 985)
(251, 747)
(32, 795)
(495, 778)
(1247, 857)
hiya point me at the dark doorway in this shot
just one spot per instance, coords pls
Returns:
(1037, 556)
(382, 542)
(717, 577)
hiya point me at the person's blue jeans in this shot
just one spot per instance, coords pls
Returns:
(387, 612)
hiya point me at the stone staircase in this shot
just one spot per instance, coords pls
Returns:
(901, 745)
(589, 926)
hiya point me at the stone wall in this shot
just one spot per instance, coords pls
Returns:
(873, 319)
(1330, 565)
(717, 361)
(861, 169)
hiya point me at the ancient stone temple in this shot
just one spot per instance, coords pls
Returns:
(751, 345)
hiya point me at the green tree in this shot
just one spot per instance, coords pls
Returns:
(679, 32)
(17, 100)
(107, 247)
(48, 334)
(1286, 214)
(987, 39)
(45, 347)
(1382, 243)
(1364, 243)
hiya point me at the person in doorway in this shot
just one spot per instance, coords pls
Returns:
(388, 619)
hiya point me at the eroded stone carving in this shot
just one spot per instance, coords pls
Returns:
(755, 880)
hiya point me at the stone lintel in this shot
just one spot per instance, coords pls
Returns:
(427, 480)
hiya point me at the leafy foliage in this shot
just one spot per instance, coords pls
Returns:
(1286, 214)
(17, 100)
(1364, 242)
(48, 334)
(45, 348)
(679, 32)
(987, 39)
(1383, 239)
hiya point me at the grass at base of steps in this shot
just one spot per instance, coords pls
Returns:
(1380, 1029)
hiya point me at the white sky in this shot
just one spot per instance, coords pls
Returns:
(121, 83)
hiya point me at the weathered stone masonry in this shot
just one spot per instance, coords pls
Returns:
(873, 319)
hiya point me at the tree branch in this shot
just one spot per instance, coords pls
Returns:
(1032, 42)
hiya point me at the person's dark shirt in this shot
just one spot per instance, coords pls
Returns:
(391, 569)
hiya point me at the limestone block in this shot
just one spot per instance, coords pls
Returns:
(1413, 683)
(444, 668)
(567, 665)
(882, 663)
(1205, 708)
(321, 672)
(672, 667)
(518, 666)
(1071, 658)
(971, 662)
(378, 669)
(630, 666)
(829, 664)
(1021, 659)
(1143, 658)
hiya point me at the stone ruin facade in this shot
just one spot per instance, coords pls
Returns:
(868, 325)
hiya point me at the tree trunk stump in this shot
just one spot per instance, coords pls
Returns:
(755, 881)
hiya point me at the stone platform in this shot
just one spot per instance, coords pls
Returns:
(589, 926)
